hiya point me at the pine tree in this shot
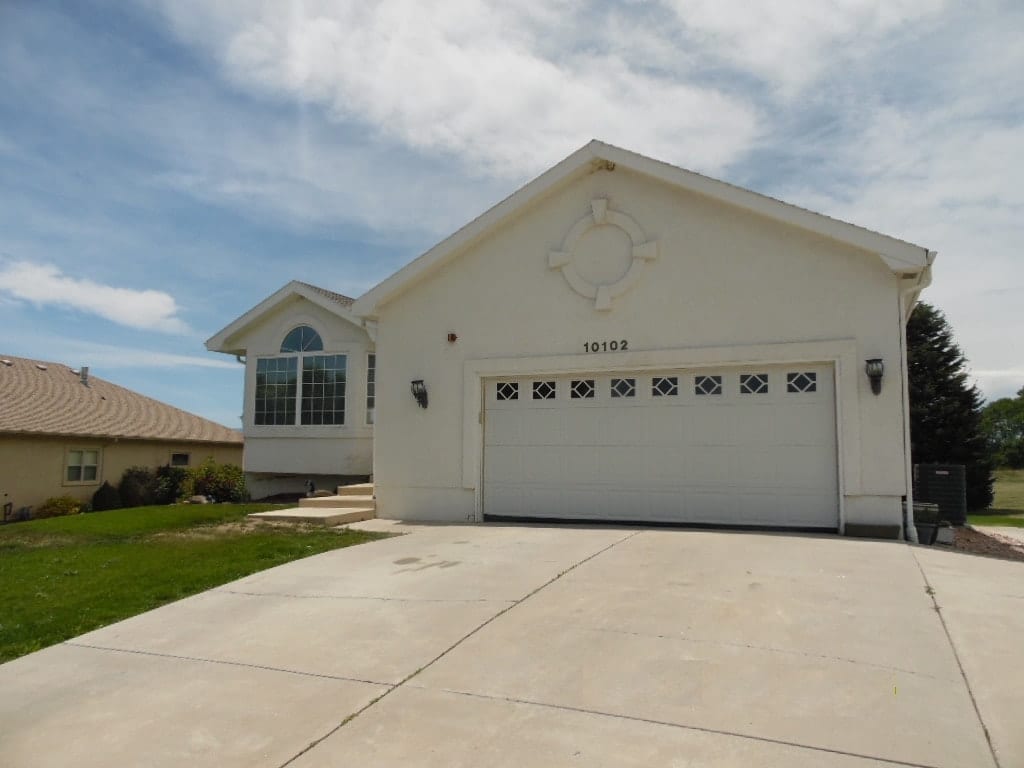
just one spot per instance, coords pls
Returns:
(945, 409)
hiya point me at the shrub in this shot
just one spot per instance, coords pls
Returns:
(57, 506)
(169, 484)
(137, 487)
(220, 482)
(106, 497)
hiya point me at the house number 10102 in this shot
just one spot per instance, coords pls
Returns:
(606, 346)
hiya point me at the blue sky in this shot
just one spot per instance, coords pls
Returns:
(164, 166)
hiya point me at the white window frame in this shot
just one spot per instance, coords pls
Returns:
(370, 414)
(68, 465)
(299, 357)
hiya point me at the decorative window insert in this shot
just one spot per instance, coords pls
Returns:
(323, 389)
(802, 382)
(371, 386)
(544, 390)
(507, 390)
(623, 387)
(665, 386)
(179, 459)
(582, 389)
(707, 385)
(82, 466)
(302, 339)
(753, 383)
(276, 390)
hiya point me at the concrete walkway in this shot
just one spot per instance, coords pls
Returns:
(548, 646)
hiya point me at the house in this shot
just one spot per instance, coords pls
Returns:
(65, 432)
(308, 409)
(625, 340)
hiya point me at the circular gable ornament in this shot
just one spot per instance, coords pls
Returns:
(568, 258)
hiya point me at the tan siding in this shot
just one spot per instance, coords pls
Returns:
(32, 468)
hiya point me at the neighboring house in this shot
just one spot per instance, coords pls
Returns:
(64, 432)
(625, 340)
(309, 400)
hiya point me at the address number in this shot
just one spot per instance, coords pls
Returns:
(606, 346)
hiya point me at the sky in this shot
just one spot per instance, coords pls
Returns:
(167, 164)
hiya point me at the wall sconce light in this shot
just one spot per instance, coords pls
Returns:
(452, 338)
(874, 368)
(419, 391)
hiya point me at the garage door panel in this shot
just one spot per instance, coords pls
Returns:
(729, 457)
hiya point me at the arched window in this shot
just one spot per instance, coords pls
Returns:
(302, 339)
(301, 387)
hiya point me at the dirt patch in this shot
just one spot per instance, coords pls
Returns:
(238, 528)
(990, 545)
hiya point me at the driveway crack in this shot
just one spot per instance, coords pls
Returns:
(225, 662)
(767, 648)
(956, 655)
(455, 645)
(685, 726)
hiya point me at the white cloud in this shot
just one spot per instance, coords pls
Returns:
(791, 44)
(45, 284)
(110, 356)
(486, 83)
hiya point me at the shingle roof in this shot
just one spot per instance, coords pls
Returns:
(345, 301)
(45, 398)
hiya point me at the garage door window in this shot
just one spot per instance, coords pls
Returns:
(802, 382)
(665, 386)
(507, 390)
(582, 389)
(623, 387)
(707, 385)
(544, 390)
(753, 383)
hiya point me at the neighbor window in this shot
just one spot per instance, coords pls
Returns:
(179, 459)
(83, 466)
(321, 399)
(371, 386)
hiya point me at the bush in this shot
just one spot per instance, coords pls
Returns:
(58, 506)
(137, 487)
(106, 497)
(219, 482)
(169, 484)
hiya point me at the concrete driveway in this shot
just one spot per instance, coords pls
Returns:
(549, 646)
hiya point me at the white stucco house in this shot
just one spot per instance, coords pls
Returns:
(619, 340)
(309, 402)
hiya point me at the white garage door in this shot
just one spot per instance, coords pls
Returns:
(752, 446)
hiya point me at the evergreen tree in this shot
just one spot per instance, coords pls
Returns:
(945, 409)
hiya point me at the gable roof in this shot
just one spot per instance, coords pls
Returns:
(901, 257)
(334, 303)
(43, 398)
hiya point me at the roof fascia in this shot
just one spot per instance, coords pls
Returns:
(579, 163)
(898, 255)
(218, 342)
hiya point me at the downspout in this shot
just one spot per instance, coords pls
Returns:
(924, 279)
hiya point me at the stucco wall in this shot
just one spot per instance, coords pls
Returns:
(726, 283)
(32, 468)
(320, 450)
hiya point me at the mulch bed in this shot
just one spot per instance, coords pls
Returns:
(976, 543)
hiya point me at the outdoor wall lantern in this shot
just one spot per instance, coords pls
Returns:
(874, 368)
(419, 391)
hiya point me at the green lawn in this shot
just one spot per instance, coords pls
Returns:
(1008, 505)
(68, 575)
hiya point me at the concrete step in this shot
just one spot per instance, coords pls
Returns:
(317, 516)
(358, 489)
(346, 502)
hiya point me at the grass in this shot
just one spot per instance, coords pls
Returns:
(1008, 505)
(68, 575)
